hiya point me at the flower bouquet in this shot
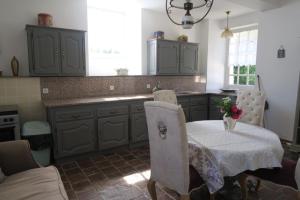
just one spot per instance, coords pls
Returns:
(231, 113)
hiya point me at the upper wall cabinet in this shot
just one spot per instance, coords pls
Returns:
(166, 57)
(55, 51)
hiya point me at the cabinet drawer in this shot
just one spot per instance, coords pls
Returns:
(113, 110)
(68, 114)
(137, 108)
(200, 100)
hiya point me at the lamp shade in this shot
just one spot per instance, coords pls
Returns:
(227, 33)
(187, 22)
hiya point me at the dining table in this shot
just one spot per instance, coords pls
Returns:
(217, 153)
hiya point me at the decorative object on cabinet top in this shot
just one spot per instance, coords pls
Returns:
(45, 19)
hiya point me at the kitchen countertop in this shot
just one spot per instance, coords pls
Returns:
(91, 100)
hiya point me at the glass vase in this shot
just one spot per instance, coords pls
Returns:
(229, 123)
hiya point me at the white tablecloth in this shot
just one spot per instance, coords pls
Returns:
(216, 153)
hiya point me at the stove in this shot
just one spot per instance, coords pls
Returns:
(9, 123)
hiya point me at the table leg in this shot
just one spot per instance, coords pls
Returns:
(242, 179)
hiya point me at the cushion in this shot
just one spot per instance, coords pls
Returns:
(34, 184)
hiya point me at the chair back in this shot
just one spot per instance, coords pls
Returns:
(168, 145)
(252, 102)
(168, 96)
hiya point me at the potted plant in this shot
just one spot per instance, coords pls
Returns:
(231, 113)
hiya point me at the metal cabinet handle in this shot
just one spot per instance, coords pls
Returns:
(113, 112)
(63, 53)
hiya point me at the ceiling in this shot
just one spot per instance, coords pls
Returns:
(237, 7)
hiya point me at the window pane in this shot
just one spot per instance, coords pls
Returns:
(252, 80)
(233, 80)
(252, 69)
(243, 80)
(235, 70)
(243, 69)
(242, 57)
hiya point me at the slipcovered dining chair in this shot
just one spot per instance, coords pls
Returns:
(168, 96)
(169, 150)
(252, 102)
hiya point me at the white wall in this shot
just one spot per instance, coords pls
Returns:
(280, 76)
(216, 55)
(240, 21)
(15, 14)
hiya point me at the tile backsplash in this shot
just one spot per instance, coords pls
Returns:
(24, 92)
(79, 87)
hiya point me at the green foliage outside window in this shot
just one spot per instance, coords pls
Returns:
(244, 75)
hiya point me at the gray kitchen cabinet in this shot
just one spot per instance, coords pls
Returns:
(43, 48)
(198, 108)
(139, 130)
(188, 58)
(198, 113)
(112, 131)
(72, 53)
(75, 137)
(55, 51)
(184, 102)
(138, 123)
(167, 57)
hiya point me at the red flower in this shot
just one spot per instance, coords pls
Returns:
(235, 116)
(235, 112)
(234, 109)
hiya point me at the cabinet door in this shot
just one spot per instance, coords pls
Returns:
(72, 53)
(44, 51)
(139, 130)
(198, 113)
(113, 131)
(167, 57)
(75, 137)
(188, 58)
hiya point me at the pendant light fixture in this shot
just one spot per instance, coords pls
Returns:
(188, 21)
(227, 32)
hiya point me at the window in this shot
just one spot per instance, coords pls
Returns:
(113, 37)
(242, 58)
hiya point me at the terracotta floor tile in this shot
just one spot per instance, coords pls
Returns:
(85, 163)
(77, 178)
(69, 165)
(82, 186)
(89, 195)
(97, 177)
(90, 170)
(71, 194)
(73, 171)
(105, 177)
(129, 157)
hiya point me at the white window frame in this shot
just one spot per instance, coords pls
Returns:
(226, 74)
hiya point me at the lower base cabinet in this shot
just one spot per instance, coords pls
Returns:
(112, 132)
(75, 137)
(198, 113)
(139, 130)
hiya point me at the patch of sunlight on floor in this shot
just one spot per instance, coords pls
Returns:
(134, 178)
(146, 174)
